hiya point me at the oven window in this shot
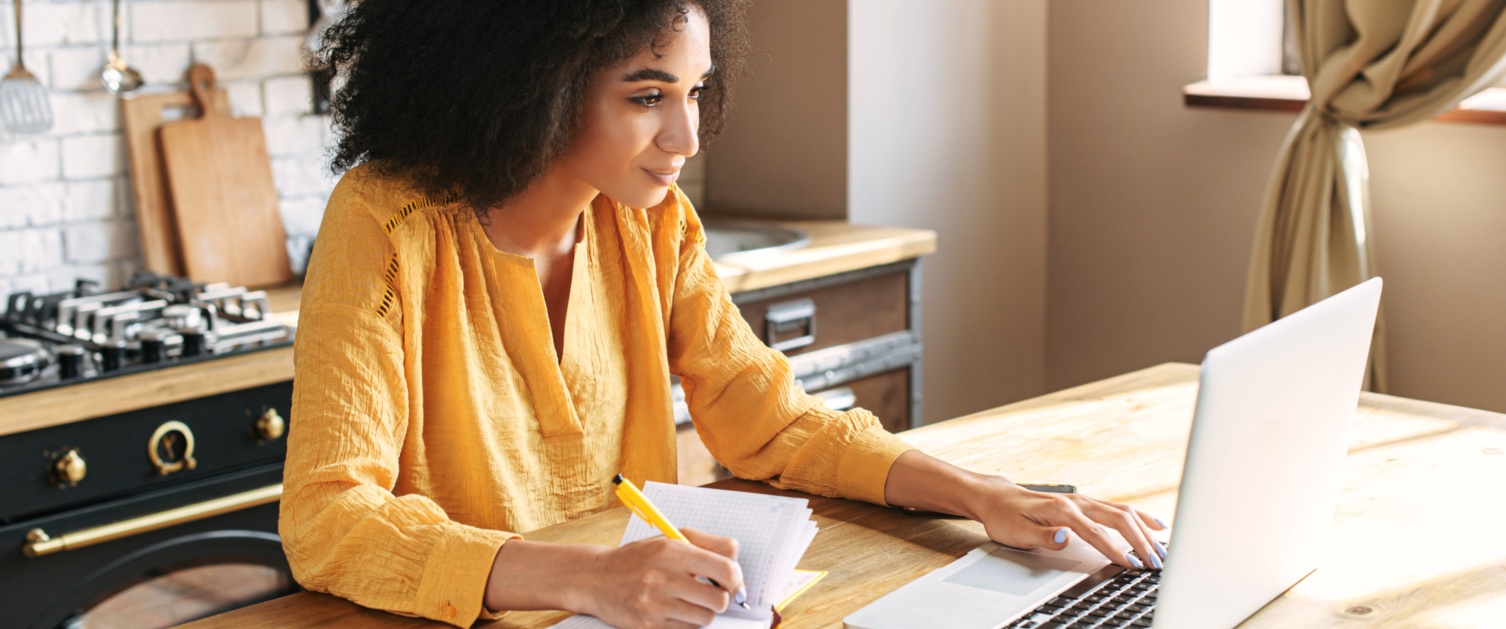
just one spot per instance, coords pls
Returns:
(184, 595)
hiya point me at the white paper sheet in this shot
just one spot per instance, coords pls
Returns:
(772, 533)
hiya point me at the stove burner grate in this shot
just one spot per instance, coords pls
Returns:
(155, 321)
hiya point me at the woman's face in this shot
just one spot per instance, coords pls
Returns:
(641, 117)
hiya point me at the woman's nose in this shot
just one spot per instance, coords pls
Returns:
(679, 133)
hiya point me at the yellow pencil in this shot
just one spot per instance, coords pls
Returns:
(638, 503)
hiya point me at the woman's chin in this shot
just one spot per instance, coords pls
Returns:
(642, 199)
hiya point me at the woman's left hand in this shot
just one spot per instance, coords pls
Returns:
(1019, 517)
(1015, 516)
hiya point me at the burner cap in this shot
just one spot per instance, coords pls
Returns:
(21, 360)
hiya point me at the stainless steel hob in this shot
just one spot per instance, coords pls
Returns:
(53, 339)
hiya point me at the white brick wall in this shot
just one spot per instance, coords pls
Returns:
(250, 58)
(101, 241)
(29, 160)
(288, 96)
(84, 112)
(284, 17)
(92, 200)
(51, 24)
(89, 156)
(65, 198)
(199, 19)
(77, 68)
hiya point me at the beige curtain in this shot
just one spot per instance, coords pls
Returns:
(1371, 64)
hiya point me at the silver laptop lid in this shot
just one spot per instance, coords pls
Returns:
(1264, 459)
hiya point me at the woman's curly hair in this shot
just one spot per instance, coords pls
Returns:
(476, 98)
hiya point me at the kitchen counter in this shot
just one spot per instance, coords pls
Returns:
(835, 247)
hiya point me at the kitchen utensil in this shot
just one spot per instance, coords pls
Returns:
(141, 115)
(224, 200)
(24, 106)
(118, 76)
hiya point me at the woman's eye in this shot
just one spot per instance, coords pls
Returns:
(652, 100)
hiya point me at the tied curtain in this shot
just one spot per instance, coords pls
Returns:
(1370, 64)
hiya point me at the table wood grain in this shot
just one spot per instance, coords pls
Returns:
(1417, 538)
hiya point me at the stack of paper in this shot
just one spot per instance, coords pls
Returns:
(772, 534)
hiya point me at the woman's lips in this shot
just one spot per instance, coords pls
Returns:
(663, 178)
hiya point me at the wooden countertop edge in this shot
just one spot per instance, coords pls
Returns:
(61, 405)
(836, 247)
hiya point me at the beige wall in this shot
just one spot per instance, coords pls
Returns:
(919, 114)
(784, 149)
(1152, 206)
(946, 131)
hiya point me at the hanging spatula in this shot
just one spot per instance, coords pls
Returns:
(24, 106)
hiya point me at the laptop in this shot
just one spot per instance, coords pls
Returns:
(1258, 494)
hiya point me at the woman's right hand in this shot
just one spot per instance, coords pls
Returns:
(652, 582)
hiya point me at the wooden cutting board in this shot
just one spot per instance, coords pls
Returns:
(142, 115)
(224, 200)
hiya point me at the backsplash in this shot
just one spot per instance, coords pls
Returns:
(66, 209)
(65, 199)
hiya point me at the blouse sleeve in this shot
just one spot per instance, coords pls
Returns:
(744, 401)
(344, 530)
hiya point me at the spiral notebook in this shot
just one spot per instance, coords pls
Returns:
(772, 533)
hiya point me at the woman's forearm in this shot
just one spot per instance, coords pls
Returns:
(924, 482)
(538, 575)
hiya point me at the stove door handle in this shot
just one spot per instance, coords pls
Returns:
(39, 543)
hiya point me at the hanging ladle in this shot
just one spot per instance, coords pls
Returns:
(118, 76)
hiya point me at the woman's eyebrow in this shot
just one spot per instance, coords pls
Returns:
(651, 74)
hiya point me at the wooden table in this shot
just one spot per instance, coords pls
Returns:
(1418, 539)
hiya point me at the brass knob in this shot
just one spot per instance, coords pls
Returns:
(270, 425)
(70, 468)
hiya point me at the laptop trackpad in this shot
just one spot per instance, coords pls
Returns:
(1012, 571)
(984, 589)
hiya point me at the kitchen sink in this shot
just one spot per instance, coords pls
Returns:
(729, 240)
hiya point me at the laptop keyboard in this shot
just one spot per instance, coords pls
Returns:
(1126, 600)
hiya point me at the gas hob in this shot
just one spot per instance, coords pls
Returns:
(55, 339)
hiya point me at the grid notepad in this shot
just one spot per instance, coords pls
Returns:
(772, 533)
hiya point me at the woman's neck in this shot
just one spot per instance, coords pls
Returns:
(543, 219)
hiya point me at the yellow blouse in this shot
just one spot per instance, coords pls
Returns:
(431, 417)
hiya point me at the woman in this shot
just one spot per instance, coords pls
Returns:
(506, 278)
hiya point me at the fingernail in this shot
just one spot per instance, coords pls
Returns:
(1158, 521)
(1061, 536)
(1155, 562)
(1161, 549)
(1133, 561)
(742, 597)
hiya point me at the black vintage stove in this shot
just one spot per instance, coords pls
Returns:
(149, 517)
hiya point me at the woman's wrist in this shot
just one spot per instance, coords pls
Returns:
(983, 492)
(540, 575)
(923, 482)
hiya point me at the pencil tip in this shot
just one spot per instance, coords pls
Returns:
(617, 480)
(745, 606)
